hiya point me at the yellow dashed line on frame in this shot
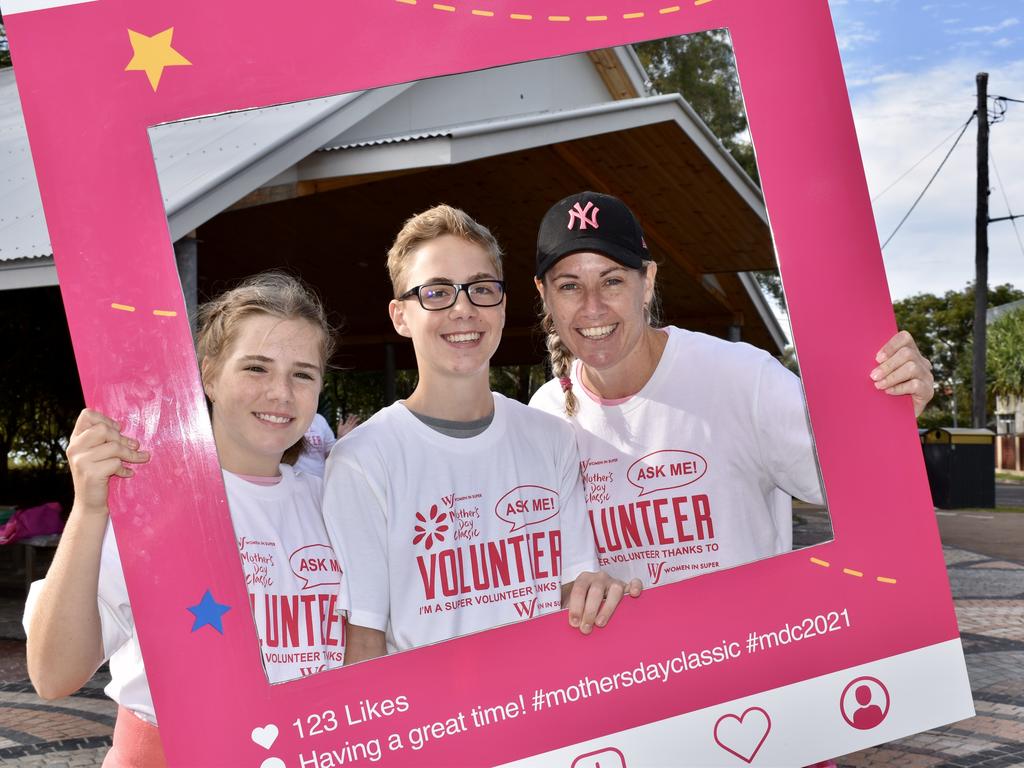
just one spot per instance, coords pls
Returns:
(165, 313)
(122, 307)
(555, 19)
(852, 572)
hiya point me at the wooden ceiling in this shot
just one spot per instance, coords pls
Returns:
(335, 234)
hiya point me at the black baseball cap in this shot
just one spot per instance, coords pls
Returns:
(590, 221)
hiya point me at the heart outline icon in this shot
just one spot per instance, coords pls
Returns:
(265, 736)
(745, 733)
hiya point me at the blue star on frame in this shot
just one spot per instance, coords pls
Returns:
(208, 611)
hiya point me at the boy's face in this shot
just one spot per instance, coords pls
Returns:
(459, 340)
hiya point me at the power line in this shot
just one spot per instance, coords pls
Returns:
(1002, 190)
(918, 200)
(1007, 98)
(911, 168)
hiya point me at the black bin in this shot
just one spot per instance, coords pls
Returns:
(961, 466)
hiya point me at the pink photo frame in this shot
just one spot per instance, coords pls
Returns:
(747, 666)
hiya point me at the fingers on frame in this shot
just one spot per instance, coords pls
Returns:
(595, 596)
(612, 598)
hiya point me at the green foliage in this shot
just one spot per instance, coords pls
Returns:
(701, 67)
(5, 51)
(40, 396)
(943, 327)
(362, 394)
(1005, 355)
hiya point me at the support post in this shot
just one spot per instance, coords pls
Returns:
(979, 398)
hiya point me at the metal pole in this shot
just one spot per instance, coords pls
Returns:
(979, 401)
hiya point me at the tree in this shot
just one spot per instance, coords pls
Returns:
(942, 326)
(702, 68)
(1005, 355)
(5, 50)
(40, 396)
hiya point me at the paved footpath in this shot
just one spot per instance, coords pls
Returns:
(989, 594)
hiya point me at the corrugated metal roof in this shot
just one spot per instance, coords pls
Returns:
(389, 140)
(204, 165)
(22, 227)
(195, 155)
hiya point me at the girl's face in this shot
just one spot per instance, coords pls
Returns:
(598, 306)
(264, 389)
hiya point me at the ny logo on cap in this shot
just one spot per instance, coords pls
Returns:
(581, 213)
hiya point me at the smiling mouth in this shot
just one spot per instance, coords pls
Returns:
(272, 418)
(597, 332)
(462, 338)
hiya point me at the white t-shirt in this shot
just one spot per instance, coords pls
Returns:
(319, 441)
(696, 471)
(441, 536)
(292, 577)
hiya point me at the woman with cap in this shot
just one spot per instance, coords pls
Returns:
(720, 426)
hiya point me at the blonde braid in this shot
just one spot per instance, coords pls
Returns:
(561, 360)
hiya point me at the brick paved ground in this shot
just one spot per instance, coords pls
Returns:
(989, 597)
(989, 593)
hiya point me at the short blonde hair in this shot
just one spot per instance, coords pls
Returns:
(434, 223)
(270, 293)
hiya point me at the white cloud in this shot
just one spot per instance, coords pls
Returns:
(898, 120)
(855, 35)
(992, 28)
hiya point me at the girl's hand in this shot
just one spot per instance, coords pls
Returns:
(593, 597)
(95, 453)
(345, 426)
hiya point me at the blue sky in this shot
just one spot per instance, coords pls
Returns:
(910, 67)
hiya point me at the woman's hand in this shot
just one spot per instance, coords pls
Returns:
(903, 370)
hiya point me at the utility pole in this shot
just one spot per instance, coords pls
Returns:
(979, 401)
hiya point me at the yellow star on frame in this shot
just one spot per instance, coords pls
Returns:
(154, 53)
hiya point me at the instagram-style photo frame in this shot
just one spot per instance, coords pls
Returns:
(754, 665)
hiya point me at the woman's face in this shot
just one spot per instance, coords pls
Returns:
(264, 389)
(598, 306)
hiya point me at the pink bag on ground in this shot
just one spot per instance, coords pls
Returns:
(34, 521)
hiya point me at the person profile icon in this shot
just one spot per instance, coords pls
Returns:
(864, 703)
(868, 715)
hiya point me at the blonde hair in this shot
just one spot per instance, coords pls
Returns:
(434, 223)
(560, 356)
(269, 293)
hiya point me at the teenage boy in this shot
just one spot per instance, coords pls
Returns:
(457, 510)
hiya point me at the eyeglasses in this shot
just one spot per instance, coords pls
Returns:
(437, 296)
